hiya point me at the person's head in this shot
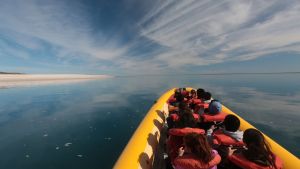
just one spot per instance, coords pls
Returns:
(184, 92)
(179, 97)
(200, 93)
(183, 106)
(257, 146)
(214, 107)
(198, 145)
(231, 123)
(186, 120)
(207, 96)
(176, 92)
(193, 92)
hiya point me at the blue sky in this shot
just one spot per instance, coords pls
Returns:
(124, 37)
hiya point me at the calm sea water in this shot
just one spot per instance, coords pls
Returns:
(86, 125)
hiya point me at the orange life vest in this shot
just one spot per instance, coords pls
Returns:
(172, 99)
(190, 161)
(211, 118)
(241, 161)
(185, 93)
(176, 117)
(201, 106)
(185, 131)
(222, 139)
(196, 101)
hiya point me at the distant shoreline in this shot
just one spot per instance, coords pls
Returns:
(21, 80)
(10, 73)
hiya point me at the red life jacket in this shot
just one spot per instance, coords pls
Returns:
(196, 101)
(185, 93)
(211, 118)
(190, 161)
(185, 131)
(175, 139)
(241, 161)
(176, 117)
(222, 139)
(172, 99)
(201, 106)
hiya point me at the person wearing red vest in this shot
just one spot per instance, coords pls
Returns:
(192, 95)
(196, 154)
(207, 97)
(200, 93)
(227, 135)
(175, 117)
(174, 141)
(231, 129)
(212, 114)
(257, 155)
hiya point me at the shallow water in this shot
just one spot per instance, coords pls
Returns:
(86, 125)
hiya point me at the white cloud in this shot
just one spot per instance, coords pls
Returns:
(31, 22)
(191, 31)
(209, 32)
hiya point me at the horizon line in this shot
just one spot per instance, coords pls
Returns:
(218, 73)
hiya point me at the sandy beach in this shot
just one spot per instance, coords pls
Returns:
(14, 80)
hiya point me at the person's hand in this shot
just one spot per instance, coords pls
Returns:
(231, 151)
(180, 151)
(213, 127)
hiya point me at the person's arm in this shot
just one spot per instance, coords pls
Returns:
(209, 133)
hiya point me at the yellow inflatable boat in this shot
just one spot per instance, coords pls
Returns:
(144, 146)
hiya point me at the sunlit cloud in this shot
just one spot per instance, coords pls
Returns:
(67, 32)
(209, 32)
(154, 37)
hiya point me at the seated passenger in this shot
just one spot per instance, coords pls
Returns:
(200, 93)
(196, 154)
(222, 138)
(187, 119)
(231, 128)
(173, 97)
(207, 97)
(186, 124)
(175, 117)
(257, 155)
(214, 107)
(212, 115)
(184, 92)
(192, 95)
(174, 103)
(199, 97)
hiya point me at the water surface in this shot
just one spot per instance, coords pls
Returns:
(86, 125)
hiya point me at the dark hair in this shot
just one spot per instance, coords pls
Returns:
(193, 91)
(207, 96)
(200, 93)
(186, 120)
(231, 123)
(258, 149)
(176, 92)
(183, 106)
(199, 146)
(179, 97)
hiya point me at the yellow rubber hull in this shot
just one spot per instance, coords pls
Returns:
(139, 152)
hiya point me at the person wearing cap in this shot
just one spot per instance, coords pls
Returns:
(212, 115)
(214, 107)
